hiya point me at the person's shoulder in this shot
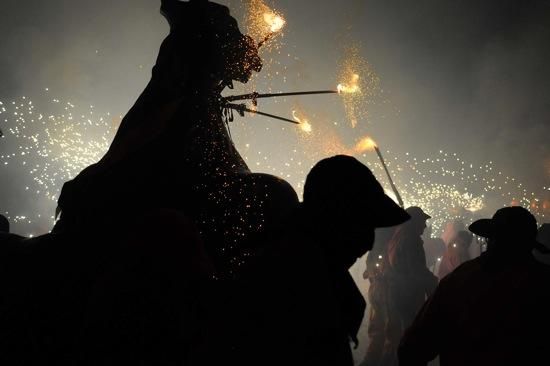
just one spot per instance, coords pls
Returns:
(464, 271)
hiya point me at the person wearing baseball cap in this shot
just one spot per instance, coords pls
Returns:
(491, 310)
(310, 305)
(344, 199)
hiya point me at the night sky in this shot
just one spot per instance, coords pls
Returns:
(470, 78)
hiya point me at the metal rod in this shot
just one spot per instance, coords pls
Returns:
(275, 95)
(393, 187)
(244, 109)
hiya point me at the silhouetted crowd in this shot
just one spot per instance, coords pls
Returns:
(170, 251)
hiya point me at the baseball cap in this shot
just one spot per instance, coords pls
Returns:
(345, 176)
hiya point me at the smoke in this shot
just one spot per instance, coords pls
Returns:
(98, 51)
(468, 76)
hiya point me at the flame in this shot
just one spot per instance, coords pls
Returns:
(306, 127)
(304, 123)
(365, 144)
(263, 23)
(274, 21)
(351, 87)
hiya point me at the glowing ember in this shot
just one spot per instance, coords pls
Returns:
(352, 87)
(358, 93)
(365, 144)
(306, 127)
(304, 123)
(262, 22)
(274, 21)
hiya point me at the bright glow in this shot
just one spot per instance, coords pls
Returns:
(304, 123)
(365, 144)
(351, 87)
(274, 21)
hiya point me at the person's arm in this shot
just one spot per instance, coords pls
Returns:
(421, 343)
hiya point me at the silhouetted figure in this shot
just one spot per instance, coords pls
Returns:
(492, 310)
(142, 307)
(300, 304)
(4, 224)
(457, 253)
(409, 280)
(377, 296)
(173, 149)
(118, 268)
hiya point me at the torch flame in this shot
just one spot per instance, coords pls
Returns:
(365, 144)
(306, 127)
(351, 87)
(304, 124)
(274, 21)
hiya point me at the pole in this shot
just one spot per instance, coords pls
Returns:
(392, 184)
(242, 108)
(256, 95)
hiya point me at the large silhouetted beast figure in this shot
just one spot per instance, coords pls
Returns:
(171, 204)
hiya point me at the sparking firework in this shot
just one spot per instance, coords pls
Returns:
(359, 85)
(305, 126)
(263, 23)
(44, 147)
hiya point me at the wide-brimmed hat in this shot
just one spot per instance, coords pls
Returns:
(513, 221)
(346, 177)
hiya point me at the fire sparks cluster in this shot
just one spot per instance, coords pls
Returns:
(43, 148)
(352, 87)
(360, 85)
(305, 126)
(263, 23)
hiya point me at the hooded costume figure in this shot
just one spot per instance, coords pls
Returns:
(173, 149)
(116, 280)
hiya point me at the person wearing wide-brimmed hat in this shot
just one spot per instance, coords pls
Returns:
(491, 310)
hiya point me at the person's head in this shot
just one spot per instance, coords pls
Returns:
(204, 36)
(463, 239)
(417, 223)
(512, 230)
(4, 224)
(346, 203)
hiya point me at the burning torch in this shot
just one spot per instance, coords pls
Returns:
(369, 144)
(226, 102)
(275, 22)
